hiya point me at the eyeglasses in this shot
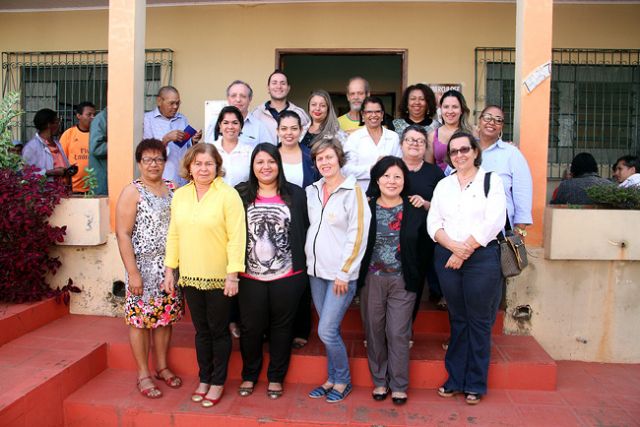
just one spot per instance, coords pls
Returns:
(487, 118)
(157, 160)
(371, 113)
(462, 150)
(414, 141)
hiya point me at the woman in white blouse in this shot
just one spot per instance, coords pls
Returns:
(236, 155)
(467, 212)
(366, 145)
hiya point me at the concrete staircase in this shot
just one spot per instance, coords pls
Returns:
(62, 369)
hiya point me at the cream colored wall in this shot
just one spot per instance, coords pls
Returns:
(93, 269)
(582, 310)
(216, 44)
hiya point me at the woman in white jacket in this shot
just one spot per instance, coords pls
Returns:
(339, 225)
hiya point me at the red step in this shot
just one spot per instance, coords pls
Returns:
(428, 321)
(19, 319)
(112, 400)
(41, 368)
(517, 362)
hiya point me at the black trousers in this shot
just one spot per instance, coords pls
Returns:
(269, 306)
(210, 316)
(302, 322)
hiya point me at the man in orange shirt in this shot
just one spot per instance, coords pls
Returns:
(75, 143)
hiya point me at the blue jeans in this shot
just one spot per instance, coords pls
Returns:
(331, 309)
(471, 293)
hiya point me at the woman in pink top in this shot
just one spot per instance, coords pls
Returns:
(455, 115)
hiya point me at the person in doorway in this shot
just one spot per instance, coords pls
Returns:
(357, 90)
(268, 112)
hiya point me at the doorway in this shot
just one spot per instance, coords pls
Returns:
(330, 69)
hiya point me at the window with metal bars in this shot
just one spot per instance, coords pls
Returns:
(594, 107)
(61, 80)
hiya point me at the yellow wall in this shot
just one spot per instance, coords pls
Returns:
(216, 44)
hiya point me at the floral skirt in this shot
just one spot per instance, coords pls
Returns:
(159, 310)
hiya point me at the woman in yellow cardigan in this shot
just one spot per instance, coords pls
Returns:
(206, 239)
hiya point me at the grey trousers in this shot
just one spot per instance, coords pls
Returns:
(387, 309)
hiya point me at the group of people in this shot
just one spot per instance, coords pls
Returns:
(583, 174)
(251, 230)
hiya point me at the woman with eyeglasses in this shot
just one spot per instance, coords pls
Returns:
(142, 221)
(455, 116)
(464, 221)
(508, 162)
(422, 180)
(367, 145)
(417, 107)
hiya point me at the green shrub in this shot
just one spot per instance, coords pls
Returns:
(615, 197)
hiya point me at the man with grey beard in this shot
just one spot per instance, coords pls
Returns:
(357, 90)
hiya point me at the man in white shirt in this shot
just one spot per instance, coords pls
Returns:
(268, 113)
(240, 94)
(625, 171)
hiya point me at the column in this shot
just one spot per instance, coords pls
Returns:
(534, 28)
(125, 95)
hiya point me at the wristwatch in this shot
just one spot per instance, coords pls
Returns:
(521, 231)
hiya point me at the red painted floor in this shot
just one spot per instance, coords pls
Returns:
(78, 371)
(588, 394)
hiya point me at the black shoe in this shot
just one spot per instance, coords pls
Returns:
(380, 396)
(399, 400)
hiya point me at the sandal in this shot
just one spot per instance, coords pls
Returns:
(319, 392)
(442, 304)
(446, 392)
(246, 391)
(172, 380)
(152, 392)
(275, 394)
(380, 396)
(472, 398)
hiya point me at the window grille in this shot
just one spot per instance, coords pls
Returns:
(60, 80)
(594, 107)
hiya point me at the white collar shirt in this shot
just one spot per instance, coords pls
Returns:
(362, 153)
(467, 212)
(236, 164)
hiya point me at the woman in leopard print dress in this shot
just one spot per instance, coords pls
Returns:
(142, 221)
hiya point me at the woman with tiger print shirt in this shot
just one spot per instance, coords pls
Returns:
(275, 277)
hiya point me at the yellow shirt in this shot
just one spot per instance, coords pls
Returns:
(206, 238)
(75, 144)
(348, 125)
